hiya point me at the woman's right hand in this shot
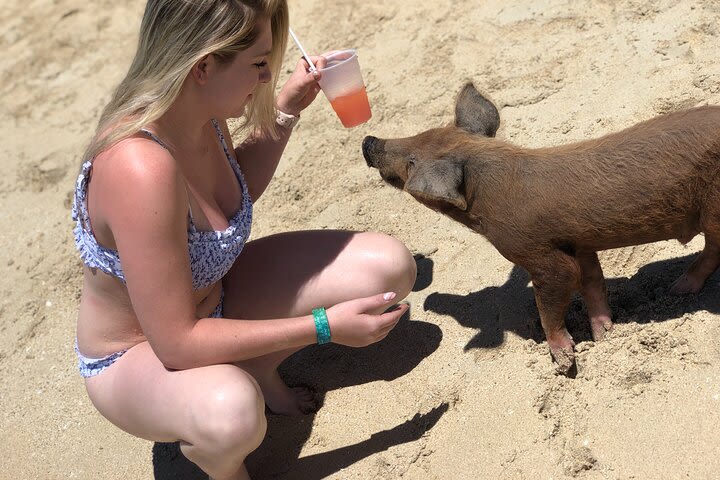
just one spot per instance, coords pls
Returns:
(302, 87)
(352, 325)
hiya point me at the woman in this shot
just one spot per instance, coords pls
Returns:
(182, 322)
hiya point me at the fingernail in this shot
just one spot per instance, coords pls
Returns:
(389, 296)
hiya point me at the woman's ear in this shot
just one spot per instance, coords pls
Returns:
(201, 69)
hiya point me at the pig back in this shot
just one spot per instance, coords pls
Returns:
(647, 183)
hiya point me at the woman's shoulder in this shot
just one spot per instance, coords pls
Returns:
(137, 175)
(135, 158)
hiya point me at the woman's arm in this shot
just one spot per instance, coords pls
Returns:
(258, 157)
(148, 220)
(260, 154)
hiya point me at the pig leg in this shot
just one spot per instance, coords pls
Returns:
(594, 292)
(554, 280)
(704, 265)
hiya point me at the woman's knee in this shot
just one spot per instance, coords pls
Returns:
(392, 263)
(229, 415)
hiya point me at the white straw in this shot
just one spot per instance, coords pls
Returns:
(307, 57)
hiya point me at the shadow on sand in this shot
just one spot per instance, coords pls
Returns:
(642, 298)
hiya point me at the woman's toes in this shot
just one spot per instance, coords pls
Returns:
(307, 399)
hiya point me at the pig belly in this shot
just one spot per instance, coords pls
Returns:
(636, 234)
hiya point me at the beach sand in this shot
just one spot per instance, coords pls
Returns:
(465, 387)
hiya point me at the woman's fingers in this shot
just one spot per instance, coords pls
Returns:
(374, 302)
(388, 320)
(319, 61)
(393, 316)
(303, 73)
(354, 326)
(304, 67)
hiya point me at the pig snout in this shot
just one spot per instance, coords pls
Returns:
(371, 148)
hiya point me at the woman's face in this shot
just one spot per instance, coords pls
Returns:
(231, 85)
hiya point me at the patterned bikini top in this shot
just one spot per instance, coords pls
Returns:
(212, 253)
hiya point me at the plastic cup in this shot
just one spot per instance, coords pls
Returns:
(342, 84)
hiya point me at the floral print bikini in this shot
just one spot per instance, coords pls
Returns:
(212, 253)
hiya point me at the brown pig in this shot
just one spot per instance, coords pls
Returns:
(549, 210)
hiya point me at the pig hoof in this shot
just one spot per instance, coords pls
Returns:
(600, 328)
(564, 355)
(684, 285)
(565, 360)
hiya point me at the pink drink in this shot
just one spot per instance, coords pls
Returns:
(352, 109)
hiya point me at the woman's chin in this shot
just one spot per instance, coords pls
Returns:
(238, 113)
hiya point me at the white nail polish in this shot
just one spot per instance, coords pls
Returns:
(389, 296)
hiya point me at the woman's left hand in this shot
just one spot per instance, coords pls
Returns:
(301, 88)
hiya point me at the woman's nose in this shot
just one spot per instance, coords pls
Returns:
(265, 75)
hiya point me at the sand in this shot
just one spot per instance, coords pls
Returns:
(465, 387)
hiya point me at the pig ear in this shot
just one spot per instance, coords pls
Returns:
(475, 113)
(438, 182)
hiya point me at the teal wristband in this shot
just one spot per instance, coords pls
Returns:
(322, 327)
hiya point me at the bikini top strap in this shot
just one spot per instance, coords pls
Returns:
(231, 159)
(79, 207)
(155, 138)
(187, 191)
(233, 163)
(220, 135)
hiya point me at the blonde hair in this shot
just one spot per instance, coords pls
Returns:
(174, 35)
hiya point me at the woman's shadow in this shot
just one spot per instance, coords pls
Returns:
(326, 368)
(642, 298)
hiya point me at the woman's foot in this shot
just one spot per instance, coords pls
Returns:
(279, 398)
(283, 400)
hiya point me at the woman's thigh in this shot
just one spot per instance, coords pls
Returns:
(289, 274)
(139, 395)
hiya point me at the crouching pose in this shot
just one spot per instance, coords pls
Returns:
(183, 321)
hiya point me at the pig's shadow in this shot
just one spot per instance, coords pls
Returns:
(642, 298)
(326, 368)
(424, 272)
